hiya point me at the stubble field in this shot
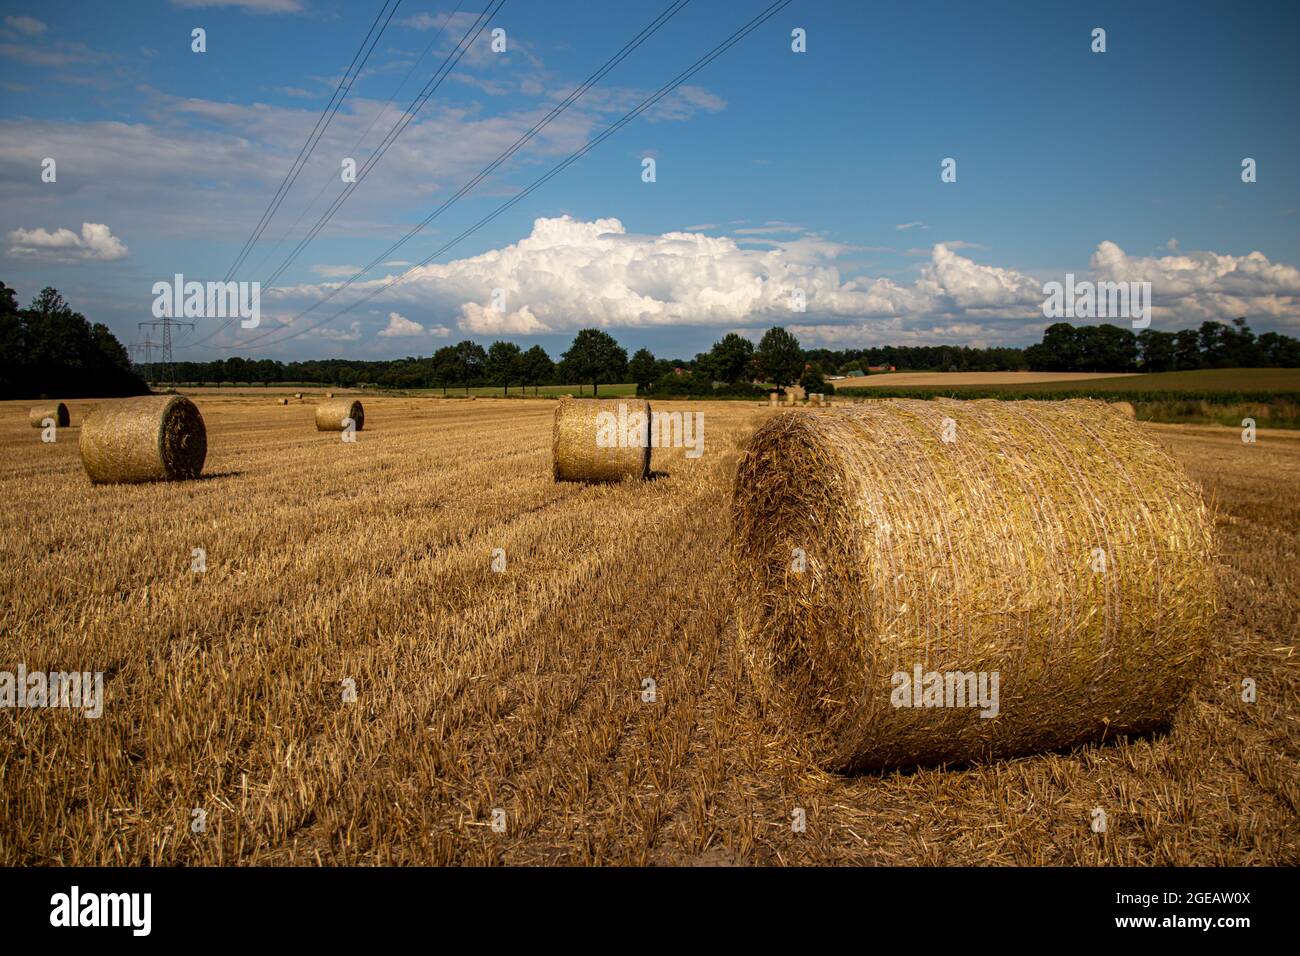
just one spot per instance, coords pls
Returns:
(522, 689)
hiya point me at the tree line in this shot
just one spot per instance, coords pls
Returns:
(735, 365)
(50, 349)
(1110, 348)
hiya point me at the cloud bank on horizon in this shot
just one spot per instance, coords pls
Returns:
(569, 274)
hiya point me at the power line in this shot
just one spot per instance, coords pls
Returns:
(329, 179)
(649, 30)
(448, 65)
(449, 62)
(645, 104)
(144, 348)
(322, 123)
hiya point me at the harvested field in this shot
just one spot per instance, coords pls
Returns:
(522, 689)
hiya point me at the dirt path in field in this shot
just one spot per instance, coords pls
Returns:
(520, 696)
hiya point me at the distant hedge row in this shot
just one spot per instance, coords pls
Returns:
(1022, 394)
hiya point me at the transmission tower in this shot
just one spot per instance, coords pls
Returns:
(143, 351)
(165, 346)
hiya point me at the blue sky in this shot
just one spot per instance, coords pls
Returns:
(775, 170)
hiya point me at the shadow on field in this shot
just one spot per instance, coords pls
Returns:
(1154, 735)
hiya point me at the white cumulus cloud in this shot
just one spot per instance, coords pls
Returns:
(399, 326)
(1206, 285)
(568, 274)
(96, 242)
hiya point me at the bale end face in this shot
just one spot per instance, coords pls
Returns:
(1124, 408)
(601, 439)
(57, 412)
(872, 555)
(332, 415)
(151, 438)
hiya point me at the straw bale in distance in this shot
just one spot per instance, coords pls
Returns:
(1124, 408)
(581, 453)
(57, 411)
(282, 401)
(973, 556)
(151, 438)
(331, 413)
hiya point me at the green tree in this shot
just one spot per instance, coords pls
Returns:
(595, 359)
(704, 368)
(536, 367)
(729, 359)
(1058, 352)
(1187, 350)
(1241, 350)
(50, 349)
(445, 367)
(504, 364)
(780, 357)
(470, 359)
(1157, 348)
(643, 369)
(1214, 344)
(813, 380)
(1280, 351)
(1105, 348)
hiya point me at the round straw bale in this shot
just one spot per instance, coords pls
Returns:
(57, 411)
(330, 414)
(329, 394)
(151, 438)
(1125, 408)
(601, 439)
(282, 401)
(1049, 544)
(298, 395)
(773, 398)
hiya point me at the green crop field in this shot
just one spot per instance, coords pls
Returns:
(1219, 385)
(1224, 396)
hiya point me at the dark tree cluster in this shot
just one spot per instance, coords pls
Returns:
(1110, 348)
(48, 349)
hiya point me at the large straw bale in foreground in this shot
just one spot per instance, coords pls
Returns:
(601, 439)
(984, 555)
(151, 438)
(330, 414)
(54, 410)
